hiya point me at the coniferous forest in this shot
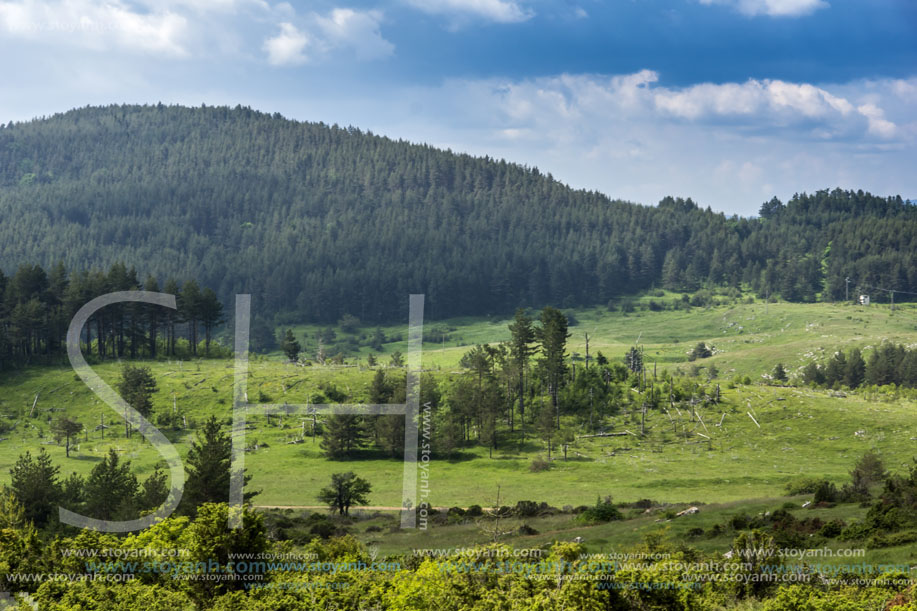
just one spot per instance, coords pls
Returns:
(319, 221)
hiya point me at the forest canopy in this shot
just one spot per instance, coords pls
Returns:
(321, 221)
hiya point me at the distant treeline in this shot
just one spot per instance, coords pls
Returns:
(888, 364)
(319, 221)
(36, 307)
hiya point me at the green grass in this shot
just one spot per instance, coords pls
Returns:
(803, 432)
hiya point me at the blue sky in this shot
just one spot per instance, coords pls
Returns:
(727, 101)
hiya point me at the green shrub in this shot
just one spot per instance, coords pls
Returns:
(604, 511)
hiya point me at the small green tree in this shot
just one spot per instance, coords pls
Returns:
(341, 434)
(290, 346)
(700, 351)
(136, 387)
(397, 359)
(634, 360)
(111, 489)
(346, 490)
(779, 373)
(34, 482)
(208, 468)
(65, 428)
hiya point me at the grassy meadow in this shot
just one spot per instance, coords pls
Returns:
(800, 432)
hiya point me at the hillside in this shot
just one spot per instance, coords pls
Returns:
(811, 431)
(317, 221)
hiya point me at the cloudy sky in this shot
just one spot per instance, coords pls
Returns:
(727, 101)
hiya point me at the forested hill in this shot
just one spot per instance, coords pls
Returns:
(322, 220)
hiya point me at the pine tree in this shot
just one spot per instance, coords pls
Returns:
(342, 434)
(111, 489)
(210, 311)
(521, 350)
(855, 369)
(779, 373)
(553, 335)
(136, 387)
(35, 484)
(208, 468)
(290, 346)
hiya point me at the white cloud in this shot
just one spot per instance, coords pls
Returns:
(751, 98)
(340, 30)
(773, 8)
(729, 145)
(500, 11)
(878, 124)
(91, 25)
(346, 28)
(287, 48)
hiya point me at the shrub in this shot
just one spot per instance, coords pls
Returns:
(832, 529)
(538, 465)
(474, 511)
(604, 511)
(807, 485)
(826, 492)
(526, 509)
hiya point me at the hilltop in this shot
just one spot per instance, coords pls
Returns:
(317, 221)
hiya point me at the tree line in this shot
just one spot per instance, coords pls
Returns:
(319, 221)
(37, 305)
(887, 364)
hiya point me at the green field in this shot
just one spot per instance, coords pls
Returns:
(803, 432)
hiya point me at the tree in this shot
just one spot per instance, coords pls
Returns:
(349, 323)
(35, 484)
(153, 315)
(136, 387)
(813, 374)
(208, 467)
(779, 373)
(855, 369)
(210, 311)
(65, 428)
(346, 490)
(700, 351)
(634, 360)
(154, 491)
(342, 434)
(546, 426)
(111, 489)
(835, 370)
(371, 360)
(189, 306)
(290, 346)
(521, 350)
(397, 359)
(552, 335)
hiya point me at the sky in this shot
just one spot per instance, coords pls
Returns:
(729, 102)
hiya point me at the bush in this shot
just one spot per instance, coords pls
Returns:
(826, 492)
(700, 351)
(525, 529)
(474, 511)
(325, 529)
(806, 485)
(832, 529)
(604, 511)
(526, 509)
(538, 465)
(892, 540)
